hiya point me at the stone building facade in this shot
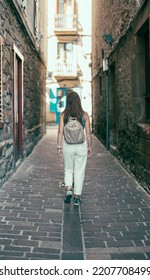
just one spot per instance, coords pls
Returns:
(120, 82)
(23, 50)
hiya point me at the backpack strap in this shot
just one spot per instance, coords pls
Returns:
(83, 121)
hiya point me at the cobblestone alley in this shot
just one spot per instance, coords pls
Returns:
(113, 221)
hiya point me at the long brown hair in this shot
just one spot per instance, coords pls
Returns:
(73, 107)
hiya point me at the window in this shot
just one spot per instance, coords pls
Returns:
(66, 17)
(36, 18)
(65, 7)
(65, 52)
(31, 11)
(60, 6)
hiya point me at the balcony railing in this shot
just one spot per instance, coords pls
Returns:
(65, 23)
(63, 69)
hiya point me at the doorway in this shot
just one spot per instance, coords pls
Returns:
(61, 102)
(18, 105)
(113, 107)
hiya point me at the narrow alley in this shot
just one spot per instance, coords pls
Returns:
(111, 223)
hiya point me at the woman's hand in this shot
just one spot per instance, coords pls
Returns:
(59, 152)
(60, 136)
(89, 151)
(88, 134)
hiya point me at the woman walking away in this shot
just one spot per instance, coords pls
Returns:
(74, 146)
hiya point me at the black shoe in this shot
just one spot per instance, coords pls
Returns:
(68, 197)
(77, 201)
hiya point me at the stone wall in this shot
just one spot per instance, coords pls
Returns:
(34, 72)
(129, 137)
(109, 17)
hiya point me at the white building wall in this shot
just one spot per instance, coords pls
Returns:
(83, 51)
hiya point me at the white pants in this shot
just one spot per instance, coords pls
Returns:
(75, 159)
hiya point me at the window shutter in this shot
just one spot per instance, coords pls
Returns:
(36, 18)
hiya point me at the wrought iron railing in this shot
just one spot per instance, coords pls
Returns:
(65, 69)
(63, 22)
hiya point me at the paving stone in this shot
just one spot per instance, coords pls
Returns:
(96, 256)
(40, 256)
(10, 253)
(25, 242)
(17, 248)
(5, 241)
(111, 223)
(129, 256)
(46, 250)
(72, 256)
(95, 244)
(47, 239)
(50, 244)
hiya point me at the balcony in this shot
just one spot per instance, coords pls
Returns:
(65, 70)
(65, 24)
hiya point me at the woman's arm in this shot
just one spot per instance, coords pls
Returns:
(88, 133)
(60, 135)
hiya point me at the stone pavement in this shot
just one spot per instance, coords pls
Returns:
(113, 221)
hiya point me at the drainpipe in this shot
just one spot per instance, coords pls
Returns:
(109, 40)
(106, 70)
(92, 125)
(107, 109)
